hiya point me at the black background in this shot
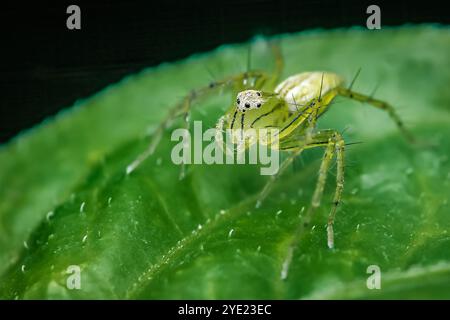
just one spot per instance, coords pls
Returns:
(46, 67)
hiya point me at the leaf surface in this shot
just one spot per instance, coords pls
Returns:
(65, 198)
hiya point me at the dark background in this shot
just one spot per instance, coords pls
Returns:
(46, 67)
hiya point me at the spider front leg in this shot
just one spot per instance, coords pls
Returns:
(334, 144)
(184, 107)
(218, 138)
(295, 148)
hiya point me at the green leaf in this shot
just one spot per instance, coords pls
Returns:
(65, 198)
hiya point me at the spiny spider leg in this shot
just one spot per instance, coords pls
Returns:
(334, 144)
(380, 105)
(311, 114)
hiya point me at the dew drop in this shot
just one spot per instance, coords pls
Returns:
(301, 211)
(279, 212)
(158, 161)
(258, 249)
(109, 201)
(82, 207)
(25, 244)
(199, 227)
(84, 238)
(49, 215)
(222, 212)
(354, 191)
(230, 234)
(22, 268)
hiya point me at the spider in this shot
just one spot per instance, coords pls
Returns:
(292, 106)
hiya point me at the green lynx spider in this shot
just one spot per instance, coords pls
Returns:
(293, 107)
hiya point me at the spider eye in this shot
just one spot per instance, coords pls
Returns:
(247, 105)
(258, 105)
(258, 94)
(238, 101)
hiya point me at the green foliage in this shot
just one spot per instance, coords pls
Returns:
(65, 199)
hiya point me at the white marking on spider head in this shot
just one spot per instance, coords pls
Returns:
(249, 99)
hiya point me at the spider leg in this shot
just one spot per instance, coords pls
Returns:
(218, 138)
(334, 146)
(380, 105)
(295, 144)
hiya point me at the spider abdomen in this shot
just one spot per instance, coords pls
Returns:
(300, 89)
